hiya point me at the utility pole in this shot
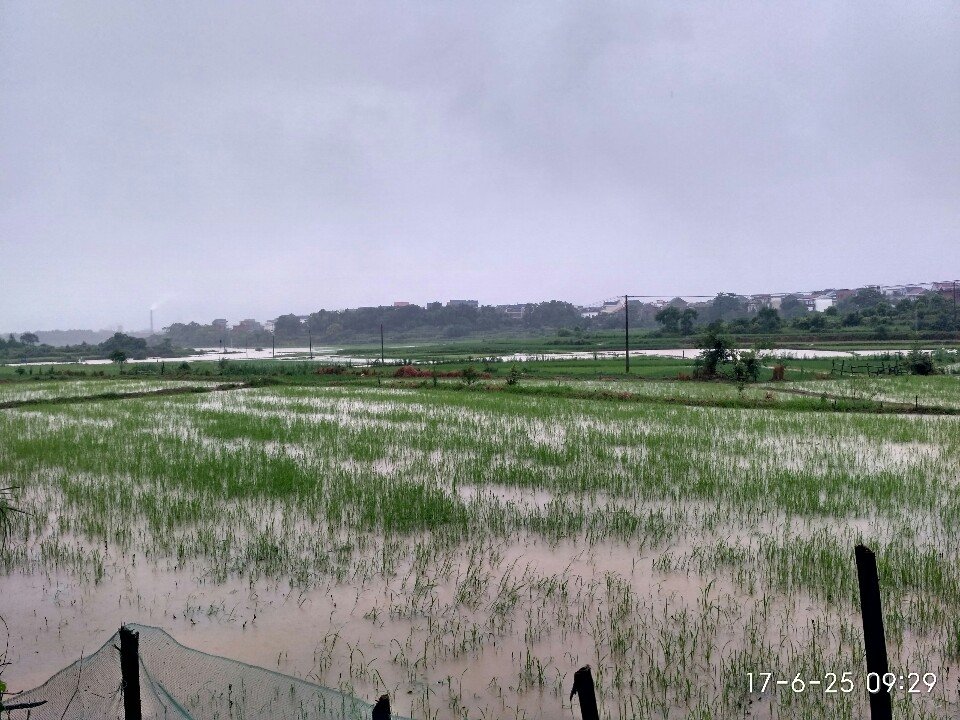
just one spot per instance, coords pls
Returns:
(273, 344)
(381, 343)
(310, 335)
(626, 331)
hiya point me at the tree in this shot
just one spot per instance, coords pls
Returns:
(726, 306)
(864, 298)
(716, 349)
(851, 319)
(747, 367)
(669, 319)
(920, 363)
(288, 326)
(119, 357)
(768, 320)
(687, 316)
(814, 321)
(129, 346)
(552, 314)
(29, 338)
(792, 307)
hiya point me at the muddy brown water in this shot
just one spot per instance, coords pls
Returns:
(409, 633)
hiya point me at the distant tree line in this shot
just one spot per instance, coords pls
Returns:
(363, 325)
(865, 313)
(27, 348)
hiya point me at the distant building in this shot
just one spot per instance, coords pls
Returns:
(822, 302)
(611, 306)
(946, 288)
(756, 303)
(220, 324)
(436, 305)
(463, 303)
(514, 312)
(401, 303)
(903, 291)
(590, 311)
(248, 326)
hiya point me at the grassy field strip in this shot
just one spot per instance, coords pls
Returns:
(794, 396)
(56, 389)
(935, 390)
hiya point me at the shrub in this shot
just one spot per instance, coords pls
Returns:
(920, 363)
(747, 367)
(716, 350)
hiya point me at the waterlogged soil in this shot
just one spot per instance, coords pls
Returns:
(513, 650)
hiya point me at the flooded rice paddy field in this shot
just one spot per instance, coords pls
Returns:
(468, 551)
(935, 392)
(11, 392)
(932, 390)
(677, 391)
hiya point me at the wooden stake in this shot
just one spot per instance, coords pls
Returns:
(381, 711)
(584, 689)
(873, 637)
(130, 672)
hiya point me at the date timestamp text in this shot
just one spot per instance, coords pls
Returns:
(846, 682)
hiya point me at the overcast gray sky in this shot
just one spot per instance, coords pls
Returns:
(224, 159)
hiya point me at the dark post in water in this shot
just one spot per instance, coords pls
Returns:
(381, 711)
(583, 688)
(873, 637)
(130, 672)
